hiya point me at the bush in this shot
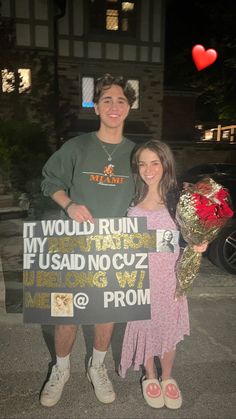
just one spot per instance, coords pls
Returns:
(23, 151)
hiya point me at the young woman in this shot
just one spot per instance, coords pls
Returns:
(156, 197)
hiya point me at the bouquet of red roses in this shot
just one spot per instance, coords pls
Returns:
(202, 210)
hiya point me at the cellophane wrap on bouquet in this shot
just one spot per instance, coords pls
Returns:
(202, 210)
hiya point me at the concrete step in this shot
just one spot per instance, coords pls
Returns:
(7, 200)
(12, 212)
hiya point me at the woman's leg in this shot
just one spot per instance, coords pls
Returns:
(167, 363)
(151, 387)
(150, 368)
(171, 392)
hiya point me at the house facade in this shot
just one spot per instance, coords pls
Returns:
(54, 50)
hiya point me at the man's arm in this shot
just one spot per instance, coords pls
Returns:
(75, 211)
(57, 173)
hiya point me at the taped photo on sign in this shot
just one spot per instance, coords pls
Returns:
(167, 240)
(62, 304)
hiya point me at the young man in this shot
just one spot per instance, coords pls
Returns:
(90, 177)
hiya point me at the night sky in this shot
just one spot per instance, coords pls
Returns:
(191, 22)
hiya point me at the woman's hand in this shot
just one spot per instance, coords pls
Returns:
(200, 248)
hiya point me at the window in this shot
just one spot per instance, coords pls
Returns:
(113, 16)
(135, 84)
(112, 20)
(87, 92)
(19, 80)
(88, 89)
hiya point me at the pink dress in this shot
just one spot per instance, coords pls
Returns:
(169, 318)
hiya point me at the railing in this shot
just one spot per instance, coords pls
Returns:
(227, 133)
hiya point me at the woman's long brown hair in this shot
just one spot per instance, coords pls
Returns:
(168, 187)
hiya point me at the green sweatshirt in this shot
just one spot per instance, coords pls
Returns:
(81, 169)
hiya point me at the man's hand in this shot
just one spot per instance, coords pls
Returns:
(79, 213)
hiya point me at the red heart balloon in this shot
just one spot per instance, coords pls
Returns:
(203, 58)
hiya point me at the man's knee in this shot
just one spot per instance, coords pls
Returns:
(105, 328)
(66, 329)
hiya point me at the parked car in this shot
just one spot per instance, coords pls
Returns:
(222, 251)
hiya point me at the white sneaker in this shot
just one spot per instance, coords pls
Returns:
(103, 388)
(52, 390)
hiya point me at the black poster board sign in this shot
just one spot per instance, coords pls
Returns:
(86, 273)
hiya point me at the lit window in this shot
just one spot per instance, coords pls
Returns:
(112, 22)
(8, 81)
(25, 79)
(226, 134)
(113, 15)
(208, 135)
(88, 91)
(127, 6)
(19, 80)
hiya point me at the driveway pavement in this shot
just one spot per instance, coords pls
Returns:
(205, 366)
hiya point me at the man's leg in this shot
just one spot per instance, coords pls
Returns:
(102, 336)
(97, 373)
(64, 339)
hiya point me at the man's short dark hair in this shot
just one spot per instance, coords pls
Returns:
(107, 81)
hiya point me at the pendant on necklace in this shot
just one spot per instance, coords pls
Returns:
(109, 156)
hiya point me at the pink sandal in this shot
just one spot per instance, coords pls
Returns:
(171, 393)
(152, 392)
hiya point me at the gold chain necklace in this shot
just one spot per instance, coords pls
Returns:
(109, 155)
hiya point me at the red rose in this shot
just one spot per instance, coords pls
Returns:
(222, 194)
